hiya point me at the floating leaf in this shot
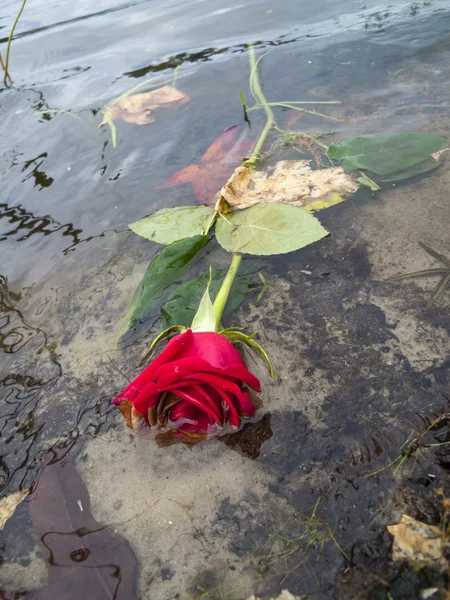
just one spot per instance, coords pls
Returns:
(389, 153)
(423, 167)
(8, 505)
(171, 224)
(136, 108)
(165, 269)
(181, 305)
(205, 317)
(266, 229)
(289, 182)
(215, 166)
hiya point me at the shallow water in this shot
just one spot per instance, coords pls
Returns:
(357, 357)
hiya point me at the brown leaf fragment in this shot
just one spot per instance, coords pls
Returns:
(137, 108)
(125, 407)
(417, 542)
(8, 505)
(290, 182)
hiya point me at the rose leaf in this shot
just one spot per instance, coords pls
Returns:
(172, 224)
(265, 229)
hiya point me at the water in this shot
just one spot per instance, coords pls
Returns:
(356, 357)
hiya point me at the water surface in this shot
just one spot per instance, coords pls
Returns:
(356, 357)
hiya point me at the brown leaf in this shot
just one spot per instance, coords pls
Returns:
(417, 542)
(136, 108)
(9, 504)
(215, 166)
(290, 182)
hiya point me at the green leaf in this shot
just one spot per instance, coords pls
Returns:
(182, 303)
(367, 182)
(388, 153)
(205, 317)
(165, 269)
(418, 169)
(268, 229)
(172, 224)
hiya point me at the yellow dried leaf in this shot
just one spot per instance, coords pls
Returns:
(137, 108)
(8, 505)
(290, 182)
(417, 542)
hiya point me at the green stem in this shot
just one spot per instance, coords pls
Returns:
(260, 97)
(224, 292)
(8, 47)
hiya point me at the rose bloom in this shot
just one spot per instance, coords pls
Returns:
(193, 389)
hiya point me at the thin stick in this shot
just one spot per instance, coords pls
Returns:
(8, 47)
(260, 97)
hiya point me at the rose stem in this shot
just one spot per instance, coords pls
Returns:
(255, 86)
(222, 296)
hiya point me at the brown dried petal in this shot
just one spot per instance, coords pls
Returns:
(125, 407)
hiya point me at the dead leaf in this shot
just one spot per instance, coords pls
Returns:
(290, 182)
(136, 108)
(437, 155)
(8, 505)
(215, 166)
(416, 542)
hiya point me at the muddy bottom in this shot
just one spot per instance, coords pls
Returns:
(361, 370)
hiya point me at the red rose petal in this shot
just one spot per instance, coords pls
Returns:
(211, 347)
(245, 406)
(193, 397)
(167, 355)
(243, 374)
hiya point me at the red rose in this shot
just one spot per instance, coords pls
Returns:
(194, 388)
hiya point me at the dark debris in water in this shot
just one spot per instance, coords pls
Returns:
(84, 559)
(371, 573)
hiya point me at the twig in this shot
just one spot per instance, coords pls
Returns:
(258, 94)
(5, 64)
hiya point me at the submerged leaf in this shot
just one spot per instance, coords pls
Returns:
(289, 182)
(164, 270)
(181, 305)
(266, 229)
(171, 224)
(8, 505)
(215, 166)
(390, 153)
(136, 108)
(423, 167)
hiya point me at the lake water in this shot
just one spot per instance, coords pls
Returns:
(357, 358)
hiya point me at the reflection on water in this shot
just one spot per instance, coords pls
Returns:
(25, 224)
(360, 363)
(83, 558)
